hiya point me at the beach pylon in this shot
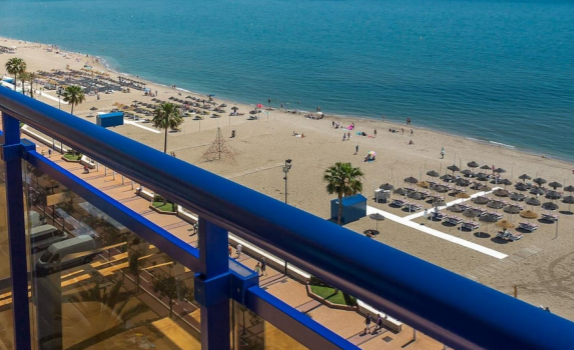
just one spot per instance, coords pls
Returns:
(219, 151)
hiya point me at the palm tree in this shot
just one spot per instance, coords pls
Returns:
(167, 117)
(31, 78)
(74, 95)
(343, 179)
(16, 66)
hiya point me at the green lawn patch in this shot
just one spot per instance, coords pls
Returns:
(328, 293)
(72, 156)
(164, 207)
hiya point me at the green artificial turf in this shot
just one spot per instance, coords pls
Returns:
(327, 293)
(164, 207)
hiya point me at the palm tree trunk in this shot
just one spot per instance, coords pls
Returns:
(15, 82)
(72, 111)
(340, 209)
(165, 142)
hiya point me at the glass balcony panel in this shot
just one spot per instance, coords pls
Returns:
(6, 323)
(96, 284)
(250, 331)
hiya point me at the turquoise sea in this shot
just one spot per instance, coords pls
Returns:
(493, 70)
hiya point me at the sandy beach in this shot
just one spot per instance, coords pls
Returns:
(539, 265)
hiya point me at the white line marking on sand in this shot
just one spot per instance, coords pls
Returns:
(129, 122)
(438, 234)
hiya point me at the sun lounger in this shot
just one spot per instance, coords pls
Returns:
(414, 207)
(470, 225)
(549, 217)
(398, 203)
(507, 235)
(437, 216)
(527, 226)
(453, 220)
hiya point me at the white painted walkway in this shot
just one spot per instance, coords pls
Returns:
(436, 233)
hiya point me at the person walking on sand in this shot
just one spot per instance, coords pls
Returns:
(49, 153)
(375, 132)
(442, 153)
(356, 149)
(412, 132)
(344, 136)
(349, 136)
(367, 323)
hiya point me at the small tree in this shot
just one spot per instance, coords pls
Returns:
(74, 95)
(344, 180)
(171, 288)
(16, 66)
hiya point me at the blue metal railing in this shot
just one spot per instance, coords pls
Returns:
(456, 311)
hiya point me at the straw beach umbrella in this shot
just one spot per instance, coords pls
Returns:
(568, 200)
(455, 208)
(377, 217)
(411, 180)
(387, 187)
(537, 191)
(505, 224)
(485, 167)
(495, 204)
(532, 201)
(517, 197)
(550, 206)
(569, 189)
(524, 177)
(539, 181)
(472, 164)
(489, 219)
(481, 200)
(553, 195)
(453, 168)
(433, 173)
(528, 214)
(555, 185)
(501, 193)
(423, 184)
(462, 195)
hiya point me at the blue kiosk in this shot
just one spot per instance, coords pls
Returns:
(354, 208)
(110, 119)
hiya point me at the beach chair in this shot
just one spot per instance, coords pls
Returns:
(550, 217)
(527, 226)
(398, 203)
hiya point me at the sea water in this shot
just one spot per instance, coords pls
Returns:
(498, 71)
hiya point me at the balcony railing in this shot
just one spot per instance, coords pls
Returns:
(452, 309)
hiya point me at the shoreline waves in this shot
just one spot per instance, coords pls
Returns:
(390, 120)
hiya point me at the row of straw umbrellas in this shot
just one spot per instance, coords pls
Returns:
(494, 204)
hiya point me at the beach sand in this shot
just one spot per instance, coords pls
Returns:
(542, 278)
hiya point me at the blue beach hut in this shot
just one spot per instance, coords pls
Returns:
(354, 208)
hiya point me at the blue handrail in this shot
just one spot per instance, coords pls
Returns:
(454, 310)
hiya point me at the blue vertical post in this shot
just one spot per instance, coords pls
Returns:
(214, 262)
(11, 150)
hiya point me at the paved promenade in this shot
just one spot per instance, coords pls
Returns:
(348, 324)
